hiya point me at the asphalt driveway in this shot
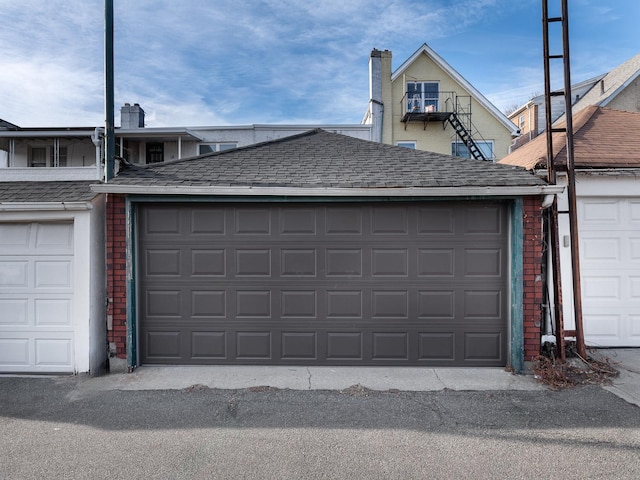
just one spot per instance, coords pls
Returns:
(66, 428)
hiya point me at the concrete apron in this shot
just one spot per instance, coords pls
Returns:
(625, 360)
(319, 378)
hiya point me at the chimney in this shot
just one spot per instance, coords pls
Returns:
(379, 91)
(131, 116)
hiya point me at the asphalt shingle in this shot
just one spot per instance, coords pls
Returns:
(57, 191)
(320, 159)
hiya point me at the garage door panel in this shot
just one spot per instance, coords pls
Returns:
(208, 345)
(298, 221)
(483, 220)
(52, 311)
(14, 274)
(389, 221)
(253, 345)
(390, 346)
(299, 345)
(15, 312)
(437, 346)
(344, 346)
(483, 346)
(298, 262)
(338, 284)
(253, 221)
(485, 304)
(343, 221)
(253, 263)
(436, 221)
(209, 221)
(14, 352)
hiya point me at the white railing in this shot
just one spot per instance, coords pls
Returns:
(32, 174)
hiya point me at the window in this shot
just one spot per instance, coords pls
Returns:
(155, 152)
(38, 157)
(52, 155)
(459, 149)
(521, 122)
(406, 144)
(59, 156)
(205, 148)
(422, 97)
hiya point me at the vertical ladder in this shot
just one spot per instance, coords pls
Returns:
(561, 333)
(466, 137)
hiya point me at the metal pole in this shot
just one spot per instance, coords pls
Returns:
(110, 145)
(571, 189)
(552, 221)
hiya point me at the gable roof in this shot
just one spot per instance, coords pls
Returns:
(54, 192)
(602, 138)
(609, 86)
(319, 163)
(438, 60)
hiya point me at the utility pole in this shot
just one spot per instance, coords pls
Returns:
(110, 140)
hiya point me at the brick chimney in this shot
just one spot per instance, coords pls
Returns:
(131, 116)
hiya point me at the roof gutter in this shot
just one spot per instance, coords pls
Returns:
(489, 191)
(44, 206)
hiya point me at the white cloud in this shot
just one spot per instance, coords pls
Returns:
(259, 61)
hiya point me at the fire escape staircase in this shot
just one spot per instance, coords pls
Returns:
(466, 137)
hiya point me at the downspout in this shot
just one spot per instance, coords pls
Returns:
(96, 138)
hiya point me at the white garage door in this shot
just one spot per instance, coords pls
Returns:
(36, 297)
(610, 266)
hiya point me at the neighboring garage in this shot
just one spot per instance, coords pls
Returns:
(325, 249)
(51, 278)
(610, 269)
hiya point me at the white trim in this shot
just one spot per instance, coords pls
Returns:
(329, 192)
(44, 206)
(461, 80)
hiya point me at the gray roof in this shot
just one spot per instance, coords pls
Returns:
(48, 192)
(319, 159)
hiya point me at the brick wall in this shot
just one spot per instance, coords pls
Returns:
(116, 276)
(532, 275)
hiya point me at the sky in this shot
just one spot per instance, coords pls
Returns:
(235, 62)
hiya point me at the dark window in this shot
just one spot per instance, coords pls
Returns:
(155, 152)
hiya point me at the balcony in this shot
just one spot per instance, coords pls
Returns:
(426, 107)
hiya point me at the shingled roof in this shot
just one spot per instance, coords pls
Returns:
(46, 192)
(321, 160)
(602, 138)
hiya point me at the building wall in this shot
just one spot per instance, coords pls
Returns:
(629, 99)
(116, 276)
(532, 276)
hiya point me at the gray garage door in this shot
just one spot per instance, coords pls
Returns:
(333, 284)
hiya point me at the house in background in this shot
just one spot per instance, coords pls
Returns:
(427, 105)
(607, 163)
(323, 249)
(33, 154)
(142, 145)
(530, 118)
(618, 89)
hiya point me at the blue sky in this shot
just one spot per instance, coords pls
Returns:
(225, 62)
